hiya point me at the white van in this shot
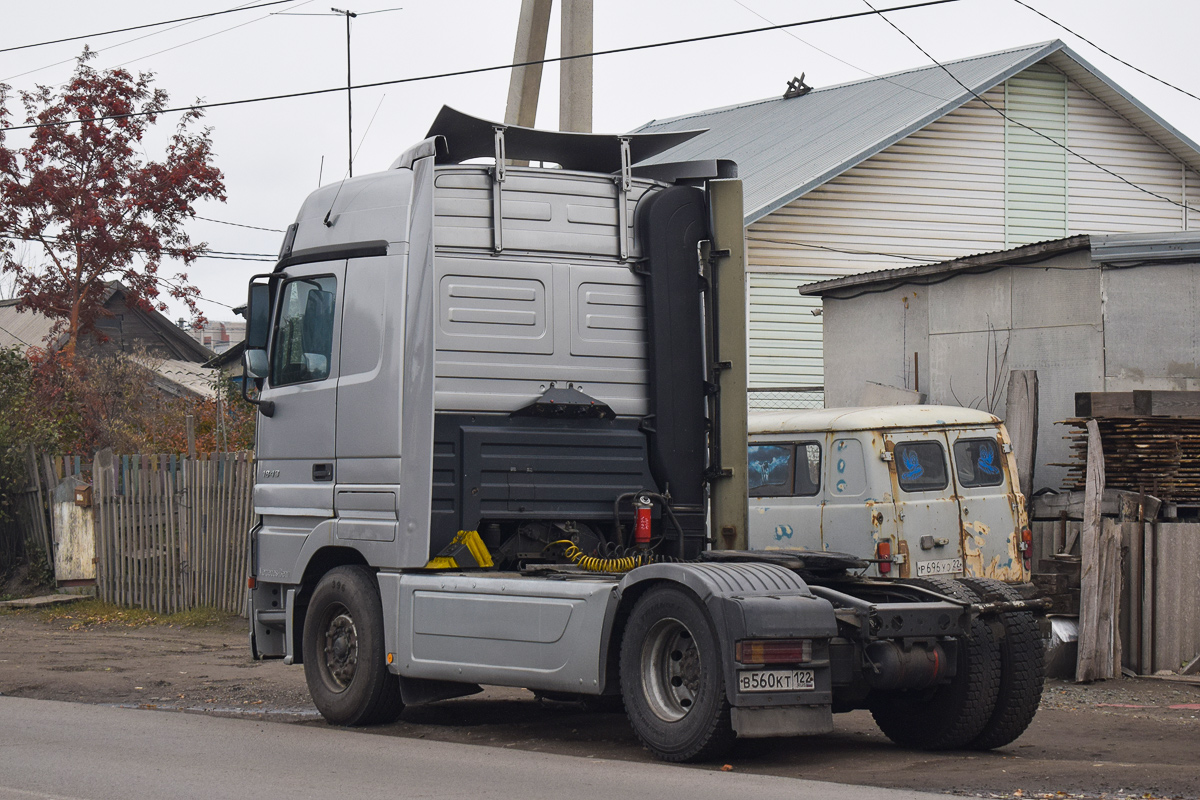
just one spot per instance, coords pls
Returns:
(922, 490)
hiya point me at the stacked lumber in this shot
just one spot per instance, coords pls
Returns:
(1151, 442)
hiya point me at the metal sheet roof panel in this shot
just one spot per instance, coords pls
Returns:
(786, 148)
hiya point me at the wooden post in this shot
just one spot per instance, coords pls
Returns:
(1021, 419)
(1094, 660)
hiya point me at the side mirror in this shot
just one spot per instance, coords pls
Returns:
(258, 317)
(254, 365)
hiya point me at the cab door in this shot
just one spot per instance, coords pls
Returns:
(927, 510)
(296, 443)
(988, 503)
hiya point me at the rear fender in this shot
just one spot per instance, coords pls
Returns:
(752, 601)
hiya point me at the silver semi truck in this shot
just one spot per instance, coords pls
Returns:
(502, 440)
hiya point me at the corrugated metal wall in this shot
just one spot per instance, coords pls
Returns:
(954, 189)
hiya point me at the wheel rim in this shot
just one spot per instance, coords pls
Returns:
(671, 670)
(341, 647)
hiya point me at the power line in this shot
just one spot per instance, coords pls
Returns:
(140, 27)
(479, 70)
(1107, 53)
(751, 239)
(1007, 118)
(238, 224)
(842, 60)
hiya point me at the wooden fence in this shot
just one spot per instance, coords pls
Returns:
(172, 533)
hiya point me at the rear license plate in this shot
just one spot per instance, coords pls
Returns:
(776, 680)
(943, 566)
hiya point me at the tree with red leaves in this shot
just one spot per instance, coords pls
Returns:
(99, 210)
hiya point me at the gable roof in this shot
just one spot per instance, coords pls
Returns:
(26, 329)
(786, 148)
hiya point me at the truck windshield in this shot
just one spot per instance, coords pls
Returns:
(977, 462)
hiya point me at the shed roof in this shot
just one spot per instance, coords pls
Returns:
(1117, 249)
(786, 148)
(865, 418)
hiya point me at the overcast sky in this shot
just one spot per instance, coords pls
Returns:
(271, 152)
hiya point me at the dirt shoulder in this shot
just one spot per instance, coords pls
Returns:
(1122, 738)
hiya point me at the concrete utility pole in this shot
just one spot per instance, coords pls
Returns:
(575, 84)
(523, 85)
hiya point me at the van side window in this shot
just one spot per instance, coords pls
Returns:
(304, 337)
(977, 462)
(920, 466)
(847, 470)
(771, 469)
(808, 469)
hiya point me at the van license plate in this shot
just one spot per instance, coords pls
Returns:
(776, 680)
(943, 566)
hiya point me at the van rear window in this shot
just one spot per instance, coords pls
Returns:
(920, 466)
(977, 462)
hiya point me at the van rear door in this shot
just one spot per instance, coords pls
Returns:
(927, 507)
(987, 503)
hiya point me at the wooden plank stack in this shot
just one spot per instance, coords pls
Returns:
(1151, 442)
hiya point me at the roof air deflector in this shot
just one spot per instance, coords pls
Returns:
(469, 137)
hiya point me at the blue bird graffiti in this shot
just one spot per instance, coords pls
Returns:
(987, 459)
(912, 466)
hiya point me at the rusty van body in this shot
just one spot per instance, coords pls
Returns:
(922, 490)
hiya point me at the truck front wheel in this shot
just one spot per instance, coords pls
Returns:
(952, 715)
(344, 658)
(671, 677)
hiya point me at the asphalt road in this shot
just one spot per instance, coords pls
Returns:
(67, 751)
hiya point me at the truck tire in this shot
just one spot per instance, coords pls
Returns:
(672, 680)
(1022, 668)
(344, 658)
(949, 716)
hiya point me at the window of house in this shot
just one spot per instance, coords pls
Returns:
(303, 346)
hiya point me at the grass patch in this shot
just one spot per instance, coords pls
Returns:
(87, 614)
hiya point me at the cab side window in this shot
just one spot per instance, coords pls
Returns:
(772, 468)
(977, 462)
(303, 347)
(785, 470)
(921, 466)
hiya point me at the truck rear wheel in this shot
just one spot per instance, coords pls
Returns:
(1022, 668)
(949, 716)
(671, 678)
(344, 658)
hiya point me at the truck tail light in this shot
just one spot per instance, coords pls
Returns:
(1027, 548)
(883, 552)
(773, 651)
(641, 528)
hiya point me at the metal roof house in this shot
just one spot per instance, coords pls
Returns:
(174, 356)
(916, 167)
(1111, 313)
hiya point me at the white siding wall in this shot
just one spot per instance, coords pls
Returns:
(1102, 203)
(940, 194)
(1035, 163)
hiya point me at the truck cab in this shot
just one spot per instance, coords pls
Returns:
(920, 490)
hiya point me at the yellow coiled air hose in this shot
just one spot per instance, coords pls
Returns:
(598, 564)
